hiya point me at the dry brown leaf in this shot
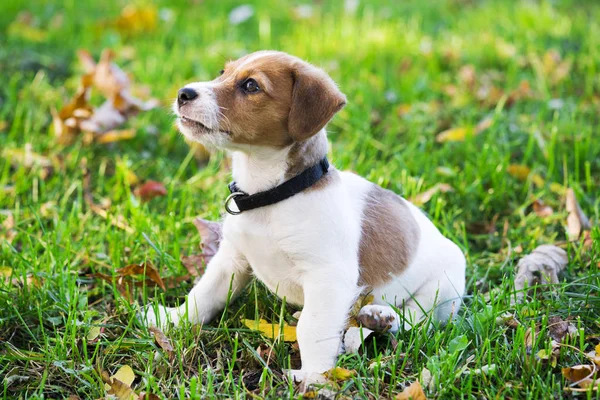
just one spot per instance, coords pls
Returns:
(148, 396)
(150, 190)
(162, 341)
(412, 392)
(98, 124)
(146, 269)
(210, 238)
(582, 375)
(577, 221)
(542, 266)
(541, 209)
(560, 329)
(425, 196)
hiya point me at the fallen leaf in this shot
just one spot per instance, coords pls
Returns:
(452, 135)
(521, 172)
(115, 136)
(24, 27)
(93, 333)
(272, 331)
(508, 319)
(560, 329)
(582, 375)
(412, 392)
(483, 125)
(542, 266)
(425, 196)
(162, 341)
(577, 221)
(119, 385)
(99, 124)
(541, 209)
(210, 238)
(339, 374)
(150, 190)
(136, 19)
(142, 269)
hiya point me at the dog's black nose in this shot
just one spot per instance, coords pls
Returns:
(185, 95)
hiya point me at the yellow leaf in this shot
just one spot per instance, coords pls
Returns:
(558, 188)
(272, 331)
(598, 349)
(93, 333)
(5, 272)
(125, 375)
(521, 172)
(452, 135)
(538, 180)
(137, 19)
(115, 135)
(413, 392)
(339, 374)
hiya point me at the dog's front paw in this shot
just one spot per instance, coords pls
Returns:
(378, 318)
(304, 377)
(159, 316)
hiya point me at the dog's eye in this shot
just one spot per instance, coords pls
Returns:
(250, 86)
(221, 72)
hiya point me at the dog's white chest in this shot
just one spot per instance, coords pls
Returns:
(259, 243)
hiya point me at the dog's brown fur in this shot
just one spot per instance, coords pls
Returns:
(390, 236)
(294, 102)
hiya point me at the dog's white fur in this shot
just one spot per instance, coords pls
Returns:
(305, 249)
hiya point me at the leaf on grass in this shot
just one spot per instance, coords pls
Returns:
(577, 221)
(508, 319)
(146, 269)
(542, 266)
(521, 172)
(452, 135)
(94, 333)
(541, 209)
(162, 341)
(339, 374)
(150, 190)
(99, 124)
(460, 134)
(585, 376)
(210, 238)
(272, 331)
(412, 392)
(116, 135)
(119, 385)
(136, 19)
(560, 329)
(425, 196)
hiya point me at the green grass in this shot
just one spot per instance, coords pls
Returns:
(385, 57)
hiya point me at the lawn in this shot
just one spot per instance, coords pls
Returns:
(493, 105)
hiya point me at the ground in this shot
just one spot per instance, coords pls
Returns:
(527, 72)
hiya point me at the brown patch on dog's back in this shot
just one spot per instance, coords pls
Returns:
(390, 236)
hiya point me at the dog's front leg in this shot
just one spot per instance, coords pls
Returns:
(228, 268)
(327, 301)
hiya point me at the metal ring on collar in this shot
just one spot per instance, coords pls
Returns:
(232, 196)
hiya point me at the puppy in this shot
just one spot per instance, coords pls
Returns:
(327, 236)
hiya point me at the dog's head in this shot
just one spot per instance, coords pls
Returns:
(266, 98)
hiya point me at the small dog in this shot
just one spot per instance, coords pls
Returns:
(317, 236)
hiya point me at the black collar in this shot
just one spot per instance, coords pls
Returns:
(304, 180)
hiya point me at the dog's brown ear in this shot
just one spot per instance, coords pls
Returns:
(315, 100)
